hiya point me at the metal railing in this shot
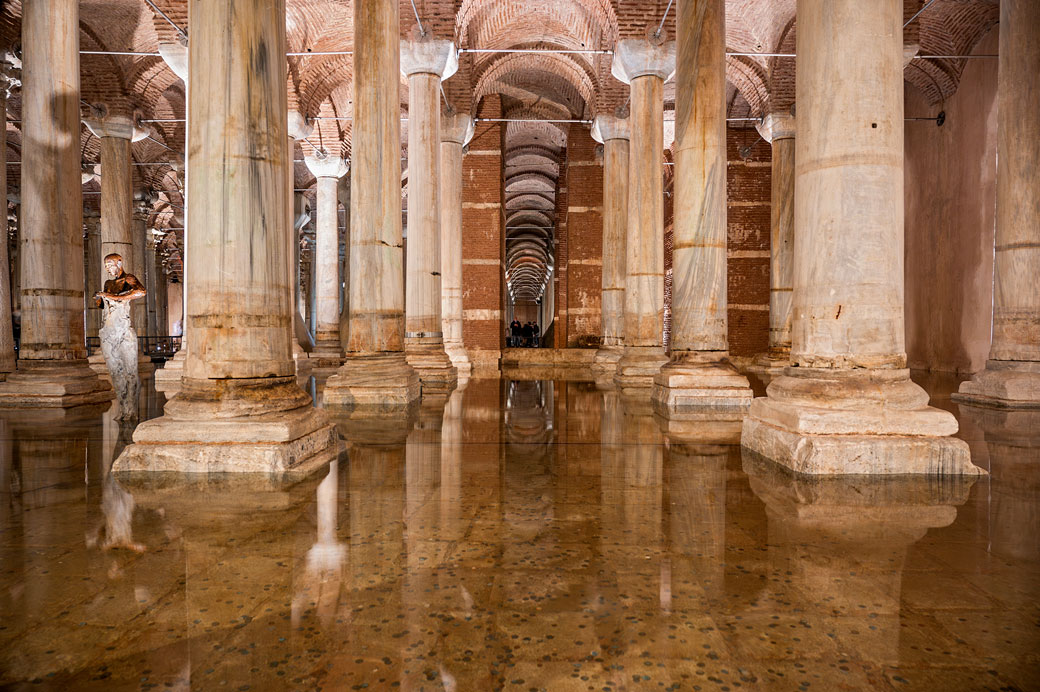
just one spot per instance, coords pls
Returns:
(151, 346)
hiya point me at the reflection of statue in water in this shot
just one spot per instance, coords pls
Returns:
(118, 338)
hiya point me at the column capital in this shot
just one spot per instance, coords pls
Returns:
(606, 127)
(299, 126)
(429, 56)
(327, 166)
(88, 172)
(175, 55)
(776, 126)
(639, 58)
(457, 128)
(106, 124)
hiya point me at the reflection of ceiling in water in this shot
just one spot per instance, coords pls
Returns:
(529, 412)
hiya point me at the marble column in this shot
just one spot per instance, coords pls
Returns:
(52, 370)
(425, 62)
(699, 381)
(456, 132)
(375, 374)
(139, 245)
(644, 66)
(118, 225)
(168, 378)
(151, 286)
(239, 408)
(613, 134)
(1012, 375)
(847, 404)
(328, 170)
(778, 129)
(161, 295)
(7, 360)
(92, 269)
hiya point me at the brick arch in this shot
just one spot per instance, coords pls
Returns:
(499, 23)
(555, 74)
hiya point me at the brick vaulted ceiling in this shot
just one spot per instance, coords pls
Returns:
(546, 85)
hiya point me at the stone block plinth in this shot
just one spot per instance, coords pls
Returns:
(694, 387)
(262, 425)
(637, 368)
(382, 382)
(53, 384)
(821, 422)
(1003, 384)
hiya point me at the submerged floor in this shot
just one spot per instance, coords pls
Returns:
(524, 536)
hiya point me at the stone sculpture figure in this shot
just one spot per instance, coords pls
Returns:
(118, 338)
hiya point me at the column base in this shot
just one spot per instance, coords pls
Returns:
(607, 358)
(701, 386)
(53, 384)
(1003, 384)
(145, 366)
(432, 364)
(771, 363)
(836, 422)
(382, 382)
(262, 425)
(168, 377)
(637, 368)
(459, 358)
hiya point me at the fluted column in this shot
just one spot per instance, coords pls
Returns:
(613, 134)
(778, 129)
(425, 62)
(847, 404)
(240, 408)
(644, 66)
(375, 372)
(699, 380)
(52, 370)
(456, 132)
(1012, 375)
(328, 170)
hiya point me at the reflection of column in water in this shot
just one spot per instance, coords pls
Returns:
(323, 571)
(1013, 442)
(451, 468)
(837, 544)
(695, 476)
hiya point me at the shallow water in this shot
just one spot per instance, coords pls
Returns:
(521, 535)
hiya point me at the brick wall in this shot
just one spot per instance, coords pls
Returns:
(482, 237)
(584, 213)
(747, 214)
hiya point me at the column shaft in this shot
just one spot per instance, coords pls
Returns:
(781, 248)
(92, 268)
(848, 274)
(7, 361)
(376, 277)
(1016, 297)
(1012, 374)
(139, 247)
(239, 309)
(326, 264)
(699, 243)
(615, 213)
(52, 206)
(644, 251)
(375, 372)
(455, 134)
(424, 62)
(117, 208)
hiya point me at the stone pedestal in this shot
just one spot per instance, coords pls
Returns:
(1012, 375)
(375, 374)
(239, 408)
(778, 129)
(644, 66)
(699, 381)
(847, 405)
(613, 134)
(52, 369)
(456, 132)
(425, 63)
(328, 170)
